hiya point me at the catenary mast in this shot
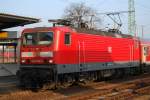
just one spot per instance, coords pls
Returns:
(131, 18)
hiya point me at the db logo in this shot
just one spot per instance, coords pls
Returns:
(109, 49)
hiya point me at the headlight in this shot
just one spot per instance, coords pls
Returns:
(27, 54)
(50, 61)
(23, 61)
(46, 54)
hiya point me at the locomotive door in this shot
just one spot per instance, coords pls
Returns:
(82, 64)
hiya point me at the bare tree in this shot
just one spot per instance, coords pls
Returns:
(82, 16)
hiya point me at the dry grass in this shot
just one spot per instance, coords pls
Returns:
(29, 95)
(144, 97)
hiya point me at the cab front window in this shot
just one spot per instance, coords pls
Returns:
(45, 38)
(39, 38)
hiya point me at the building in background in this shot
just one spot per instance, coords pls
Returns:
(8, 47)
(9, 42)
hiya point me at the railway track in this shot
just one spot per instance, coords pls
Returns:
(112, 90)
(120, 91)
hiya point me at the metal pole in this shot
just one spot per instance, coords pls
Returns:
(131, 18)
(3, 53)
(142, 32)
(15, 56)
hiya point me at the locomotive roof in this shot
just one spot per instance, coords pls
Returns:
(97, 32)
(103, 33)
(82, 30)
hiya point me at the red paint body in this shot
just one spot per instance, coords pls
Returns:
(84, 48)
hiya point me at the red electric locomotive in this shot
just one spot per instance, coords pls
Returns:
(62, 54)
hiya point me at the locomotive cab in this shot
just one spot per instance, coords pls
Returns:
(37, 47)
(41, 51)
(37, 57)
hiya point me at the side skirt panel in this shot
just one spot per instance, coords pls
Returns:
(72, 68)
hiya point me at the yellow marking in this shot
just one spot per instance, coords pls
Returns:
(3, 35)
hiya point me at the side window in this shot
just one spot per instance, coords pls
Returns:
(67, 39)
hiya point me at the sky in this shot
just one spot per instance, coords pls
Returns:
(53, 9)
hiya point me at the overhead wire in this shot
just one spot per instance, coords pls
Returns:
(143, 6)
